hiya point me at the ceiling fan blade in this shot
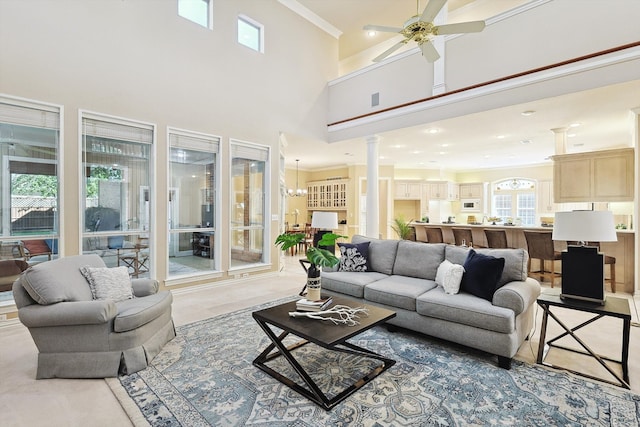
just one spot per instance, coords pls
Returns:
(389, 51)
(382, 28)
(459, 28)
(429, 51)
(431, 10)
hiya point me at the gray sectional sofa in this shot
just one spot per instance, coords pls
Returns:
(401, 276)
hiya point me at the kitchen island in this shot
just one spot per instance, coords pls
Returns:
(622, 250)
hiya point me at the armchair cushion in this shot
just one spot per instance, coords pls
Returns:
(134, 313)
(108, 283)
(59, 280)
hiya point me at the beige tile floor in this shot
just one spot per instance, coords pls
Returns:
(60, 402)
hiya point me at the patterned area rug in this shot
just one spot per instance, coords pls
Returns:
(205, 377)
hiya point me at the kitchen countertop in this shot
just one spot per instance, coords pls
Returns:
(501, 226)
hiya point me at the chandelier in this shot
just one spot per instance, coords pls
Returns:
(298, 192)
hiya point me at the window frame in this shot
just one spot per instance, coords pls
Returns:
(266, 223)
(255, 24)
(150, 187)
(209, 24)
(215, 226)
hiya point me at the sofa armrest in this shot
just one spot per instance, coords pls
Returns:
(144, 287)
(68, 313)
(517, 296)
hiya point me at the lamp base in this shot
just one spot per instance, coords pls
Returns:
(583, 274)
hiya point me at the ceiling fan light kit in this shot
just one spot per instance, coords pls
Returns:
(420, 29)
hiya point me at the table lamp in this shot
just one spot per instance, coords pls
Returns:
(324, 222)
(583, 265)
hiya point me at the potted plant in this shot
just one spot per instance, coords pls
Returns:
(316, 258)
(402, 228)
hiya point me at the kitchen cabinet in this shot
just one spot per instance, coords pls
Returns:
(598, 176)
(408, 190)
(472, 191)
(329, 194)
(443, 190)
(546, 205)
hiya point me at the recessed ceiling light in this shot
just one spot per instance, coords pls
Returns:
(433, 130)
(444, 145)
(433, 161)
(486, 156)
(574, 125)
(571, 135)
(397, 146)
(416, 152)
(371, 33)
(528, 112)
(348, 154)
(442, 153)
(525, 141)
(501, 136)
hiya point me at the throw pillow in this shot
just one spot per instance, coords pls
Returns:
(449, 276)
(481, 274)
(108, 283)
(353, 256)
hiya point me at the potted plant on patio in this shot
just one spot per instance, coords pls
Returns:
(317, 257)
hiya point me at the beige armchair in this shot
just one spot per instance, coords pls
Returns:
(78, 336)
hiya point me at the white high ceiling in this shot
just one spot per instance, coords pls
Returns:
(497, 138)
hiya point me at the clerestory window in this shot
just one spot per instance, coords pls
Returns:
(198, 11)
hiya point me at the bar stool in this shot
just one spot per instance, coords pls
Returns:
(434, 234)
(608, 260)
(463, 235)
(496, 238)
(421, 234)
(540, 246)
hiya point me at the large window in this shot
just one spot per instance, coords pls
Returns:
(249, 178)
(116, 155)
(198, 11)
(192, 203)
(250, 33)
(514, 200)
(29, 144)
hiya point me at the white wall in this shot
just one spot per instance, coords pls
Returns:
(139, 60)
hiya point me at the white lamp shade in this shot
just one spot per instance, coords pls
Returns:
(585, 226)
(324, 220)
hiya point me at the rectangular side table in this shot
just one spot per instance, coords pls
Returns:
(613, 307)
(325, 334)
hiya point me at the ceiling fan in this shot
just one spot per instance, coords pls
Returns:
(421, 30)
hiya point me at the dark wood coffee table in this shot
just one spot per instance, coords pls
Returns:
(323, 333)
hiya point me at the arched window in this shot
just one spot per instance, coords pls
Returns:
(514, 201)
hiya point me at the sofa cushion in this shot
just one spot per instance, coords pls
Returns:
(382, 253)
(108, 283)
(515, 261)
(449, 276)
(354, 256)
(136, 312)
(466, 309)
(59, 280)
(416, 259)
(481, 274)
(349, 282)
(398, 291)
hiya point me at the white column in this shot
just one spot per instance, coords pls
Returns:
(560, 135)
(635, 114)
(373, 202)
(439, 84)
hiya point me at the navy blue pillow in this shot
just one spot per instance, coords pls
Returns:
(481, 275)
(354, 256)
